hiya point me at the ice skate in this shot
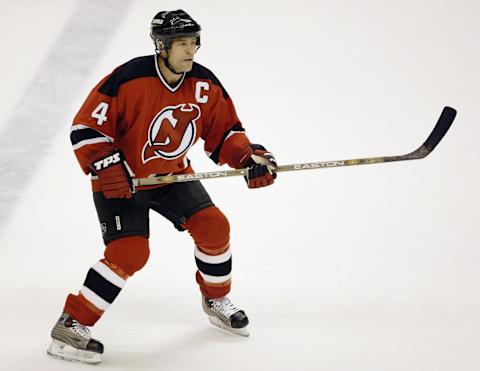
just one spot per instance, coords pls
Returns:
(223, 314)
(71, 341)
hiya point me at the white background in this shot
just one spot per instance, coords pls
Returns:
(363, 268)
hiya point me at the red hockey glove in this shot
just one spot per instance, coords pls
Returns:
(261, 167)
(113, 176)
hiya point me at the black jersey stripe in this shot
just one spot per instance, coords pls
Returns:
(101, 286)
(134, 69)
(217, 270)
(76, 136)
(215, 156)
(145, 67)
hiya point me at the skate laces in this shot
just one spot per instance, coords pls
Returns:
(81, 330)
(224, 306)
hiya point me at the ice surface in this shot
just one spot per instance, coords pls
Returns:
(364, 268)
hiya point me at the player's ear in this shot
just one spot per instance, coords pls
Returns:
(160, 46)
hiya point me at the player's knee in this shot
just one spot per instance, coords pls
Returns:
(128, 253)
(209, 228)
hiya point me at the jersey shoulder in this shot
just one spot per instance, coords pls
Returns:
(201, 72)
(134, 69)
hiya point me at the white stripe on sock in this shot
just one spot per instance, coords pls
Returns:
(94, 298)
(213, 259)
(109, 275)
(215, 279)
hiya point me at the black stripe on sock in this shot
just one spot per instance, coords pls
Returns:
(217, 270)
(102, 287)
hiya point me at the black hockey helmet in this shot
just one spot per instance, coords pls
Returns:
(169, 25)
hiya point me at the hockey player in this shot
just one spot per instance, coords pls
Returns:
(140, 121)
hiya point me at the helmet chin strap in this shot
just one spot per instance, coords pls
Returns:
(168, 65)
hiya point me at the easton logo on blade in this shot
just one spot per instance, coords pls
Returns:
(171, 133)
(318, 165)
(189, 177)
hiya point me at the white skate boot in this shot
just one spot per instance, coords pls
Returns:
(71, 341)
(223, 314)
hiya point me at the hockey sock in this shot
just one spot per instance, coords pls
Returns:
(106, 278)
(102, 285)
(210, 230)
(214, 273)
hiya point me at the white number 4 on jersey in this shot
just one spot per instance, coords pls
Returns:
(100, 113)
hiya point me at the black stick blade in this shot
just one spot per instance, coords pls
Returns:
(440, 129)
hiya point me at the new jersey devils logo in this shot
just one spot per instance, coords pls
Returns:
(171, 133)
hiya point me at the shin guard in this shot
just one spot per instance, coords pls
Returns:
(210, 231)
(106, 278)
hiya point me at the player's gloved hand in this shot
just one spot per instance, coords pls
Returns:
(261, 167)
(113, 176)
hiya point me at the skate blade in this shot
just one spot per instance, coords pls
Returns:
(66, 352)
(237, 331)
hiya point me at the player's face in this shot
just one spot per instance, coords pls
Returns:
(182, 52)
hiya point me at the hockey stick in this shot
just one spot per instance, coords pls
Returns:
(438, 132)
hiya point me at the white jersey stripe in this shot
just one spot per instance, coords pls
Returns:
(78, 127)
(90, 141)
(213, 259)
(94, 298)
(233, 133)
(81, 127)
(109, 275)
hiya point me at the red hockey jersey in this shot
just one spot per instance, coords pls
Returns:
(154, 124)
